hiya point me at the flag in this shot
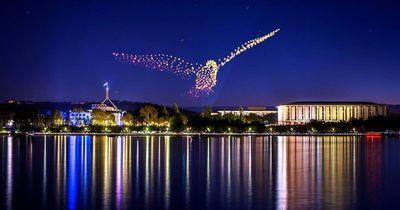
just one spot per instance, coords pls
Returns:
(105, 84)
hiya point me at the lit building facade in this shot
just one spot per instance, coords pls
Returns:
(111, 108)
(79, 118)
(304, 112)
(257, 110)
(87, 117)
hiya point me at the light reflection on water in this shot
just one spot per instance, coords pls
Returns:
(156, 172)
(9, 176)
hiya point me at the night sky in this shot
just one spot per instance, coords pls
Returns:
(336, 50)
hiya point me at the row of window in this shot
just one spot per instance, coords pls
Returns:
(331, 112)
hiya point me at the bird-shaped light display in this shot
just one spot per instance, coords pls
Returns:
(206, 75)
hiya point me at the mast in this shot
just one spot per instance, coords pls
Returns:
(107, 90)
(108, 96)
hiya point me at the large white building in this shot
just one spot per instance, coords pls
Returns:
(304, 112)
(85, 117)
(111, 108)
(79, 118)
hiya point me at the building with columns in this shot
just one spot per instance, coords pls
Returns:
(84, 118)
(111, 108)
(304, 112)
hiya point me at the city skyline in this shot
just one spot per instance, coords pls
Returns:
(344, 51)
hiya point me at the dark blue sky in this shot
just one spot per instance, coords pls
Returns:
(326, 50)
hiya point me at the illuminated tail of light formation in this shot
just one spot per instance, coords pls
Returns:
(206, 75)
(160, 62)
(246, 46)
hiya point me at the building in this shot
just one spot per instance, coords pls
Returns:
(257, 110)
(108, 106)
(304, 112)
(79, 118)
(86, 117)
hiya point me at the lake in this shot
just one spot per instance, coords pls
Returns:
(199, 172)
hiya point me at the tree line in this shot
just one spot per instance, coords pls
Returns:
(156, 118)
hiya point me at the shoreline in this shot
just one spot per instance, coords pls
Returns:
(201, 134)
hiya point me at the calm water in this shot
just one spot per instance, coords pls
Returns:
(100, 172)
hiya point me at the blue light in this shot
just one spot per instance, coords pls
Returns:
(72, 173)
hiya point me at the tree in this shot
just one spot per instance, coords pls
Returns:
(207, 112)
(241, 113)
(176, 108)
(230, 116)
(7, 116)
(149, 114)
(56, 117)
(184, 119)
(252, 117)
(271, 118)
(127, 119)
(77, 109)
(163, 121)
(98, 117)
(165, 111)
(176, 124)
(102, 118)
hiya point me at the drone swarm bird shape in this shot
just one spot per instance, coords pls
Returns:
(206, 75)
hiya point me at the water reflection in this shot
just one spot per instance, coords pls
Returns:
(9, 177)
(154, 172)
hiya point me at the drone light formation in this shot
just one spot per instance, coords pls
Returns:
(206, 75)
